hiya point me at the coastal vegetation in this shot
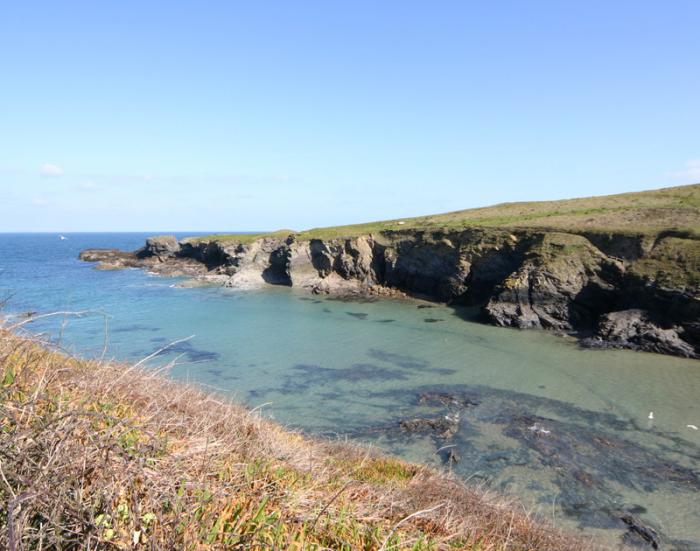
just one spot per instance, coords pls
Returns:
(99, 454)
(638, 213)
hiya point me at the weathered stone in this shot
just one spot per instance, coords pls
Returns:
(444, 427)
(563, 284)
(162, 248)
(639, 533)
(635, 329)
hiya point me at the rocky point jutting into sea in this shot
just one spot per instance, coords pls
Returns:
(619, 271)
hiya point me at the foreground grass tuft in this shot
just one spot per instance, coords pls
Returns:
(104, 455)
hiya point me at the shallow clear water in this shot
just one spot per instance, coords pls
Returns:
(565, 429)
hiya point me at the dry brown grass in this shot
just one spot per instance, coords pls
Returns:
(105, 455)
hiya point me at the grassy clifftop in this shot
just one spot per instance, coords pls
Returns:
(109, 456)
(646, 212)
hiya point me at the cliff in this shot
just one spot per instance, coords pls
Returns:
(618, 271)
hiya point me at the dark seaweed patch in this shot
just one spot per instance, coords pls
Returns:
(407, 362)
(358, 315)
(306, 376)
(448, 399)
(423, 306)
(384, 321)
(354, 373)
(357, 299)
(134, 327)
(442, 370)
(191, 353)
(331, 395)
(432, 320)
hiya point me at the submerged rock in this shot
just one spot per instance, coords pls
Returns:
(444, 427)
(587, 458)
(639, 534)
(451, 457)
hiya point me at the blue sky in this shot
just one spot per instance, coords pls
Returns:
(260, 115)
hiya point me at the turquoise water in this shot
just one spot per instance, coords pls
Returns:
(564, 429)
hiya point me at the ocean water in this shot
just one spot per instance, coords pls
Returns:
(566, 430)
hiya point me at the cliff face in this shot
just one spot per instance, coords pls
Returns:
(612, 290)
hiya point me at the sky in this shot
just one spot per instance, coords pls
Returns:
(234, 116)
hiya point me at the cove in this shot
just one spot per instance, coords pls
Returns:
(526, 413)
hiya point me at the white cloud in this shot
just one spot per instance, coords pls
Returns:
(51, 170)
(40, 201)
(87, 185)
(691, 173)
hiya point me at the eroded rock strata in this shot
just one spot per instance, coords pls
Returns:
(611, 290)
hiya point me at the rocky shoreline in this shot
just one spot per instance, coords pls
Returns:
(610, 290)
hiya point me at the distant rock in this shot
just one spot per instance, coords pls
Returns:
(636, 329)
(162, 248)
(158, 256)
(111, 259)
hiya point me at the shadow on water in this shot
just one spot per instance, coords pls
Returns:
(467, 313)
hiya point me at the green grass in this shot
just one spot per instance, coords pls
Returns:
(646, 212)
(238, 238)
(672, 263)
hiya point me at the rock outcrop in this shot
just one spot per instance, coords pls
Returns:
(637, 329)
(161, 248)
(563, 283)
(612, 290)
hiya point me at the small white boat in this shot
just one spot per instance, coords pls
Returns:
(62, 237)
